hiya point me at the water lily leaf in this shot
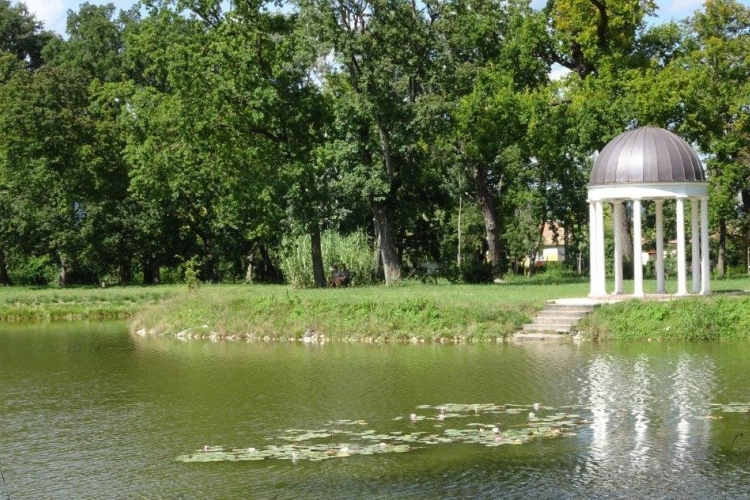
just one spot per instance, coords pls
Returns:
(307, 436)
(323, 444)
(736, 408)
(347, 422)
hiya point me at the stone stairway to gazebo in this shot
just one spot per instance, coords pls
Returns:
(558, 317)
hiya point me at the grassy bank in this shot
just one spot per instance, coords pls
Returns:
(408, 311)
(717, 317)
(723, 315)
(34, 304)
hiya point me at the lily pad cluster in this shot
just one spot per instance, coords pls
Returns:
(482, 424)
(731, 407)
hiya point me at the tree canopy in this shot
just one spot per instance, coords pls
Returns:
(201, 132)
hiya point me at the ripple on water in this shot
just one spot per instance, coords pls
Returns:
(87, 420)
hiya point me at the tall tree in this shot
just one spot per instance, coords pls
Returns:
(44, 134)
(490, 122)
(717, 116)
(587, 32)
(598, 41)
(491, 68)
(94, 50)
(380, 51)
(22, 40)
(230, 110)
(22, 34)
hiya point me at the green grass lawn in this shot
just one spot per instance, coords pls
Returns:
(410, 310)
(723, 315)
(407, 311)
(25, 304)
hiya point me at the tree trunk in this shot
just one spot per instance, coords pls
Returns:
(486, 202)
(148, 277)
(63, 278)
(155, 271)
(387, 241)
(376, 270)
(271, 272)
(458, 253)
(626, 244)
(566, 243)
(319, 274)
(151, 274)
(721, 262)
(209, 267)
(249, 270)
(535, 251)
(125, 273)
(4, 278)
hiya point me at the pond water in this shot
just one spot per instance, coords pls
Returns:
(88, 411)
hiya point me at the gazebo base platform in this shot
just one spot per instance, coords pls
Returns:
(607, 299)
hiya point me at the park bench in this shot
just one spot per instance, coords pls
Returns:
(427, 272)
(341, 279)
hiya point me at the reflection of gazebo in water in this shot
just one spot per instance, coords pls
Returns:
(648, 163)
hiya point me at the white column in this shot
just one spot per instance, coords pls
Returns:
(695, 239)
(637, 250)
(617, 223)
(601, 261)
(660, 247)
(681, 273)
(705, 262)
(592, 250)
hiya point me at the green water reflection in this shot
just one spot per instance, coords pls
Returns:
(89, 411)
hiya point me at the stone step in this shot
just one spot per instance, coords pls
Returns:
(539, 335)
(568, 307)
(554, 320)
(558, 318)
(560, 313)
(537, 327)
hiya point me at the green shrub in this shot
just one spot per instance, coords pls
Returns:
(34, 271)
(450, 271)
(474, 272)
(557, 270)
(191, 275)
(354, 250)
(738, 271)
(296, 261)
(471, 272)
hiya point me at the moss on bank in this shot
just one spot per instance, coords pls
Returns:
(716, 317)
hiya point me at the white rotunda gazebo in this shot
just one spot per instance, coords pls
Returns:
(648, 163)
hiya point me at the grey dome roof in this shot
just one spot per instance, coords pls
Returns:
(646, 155)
